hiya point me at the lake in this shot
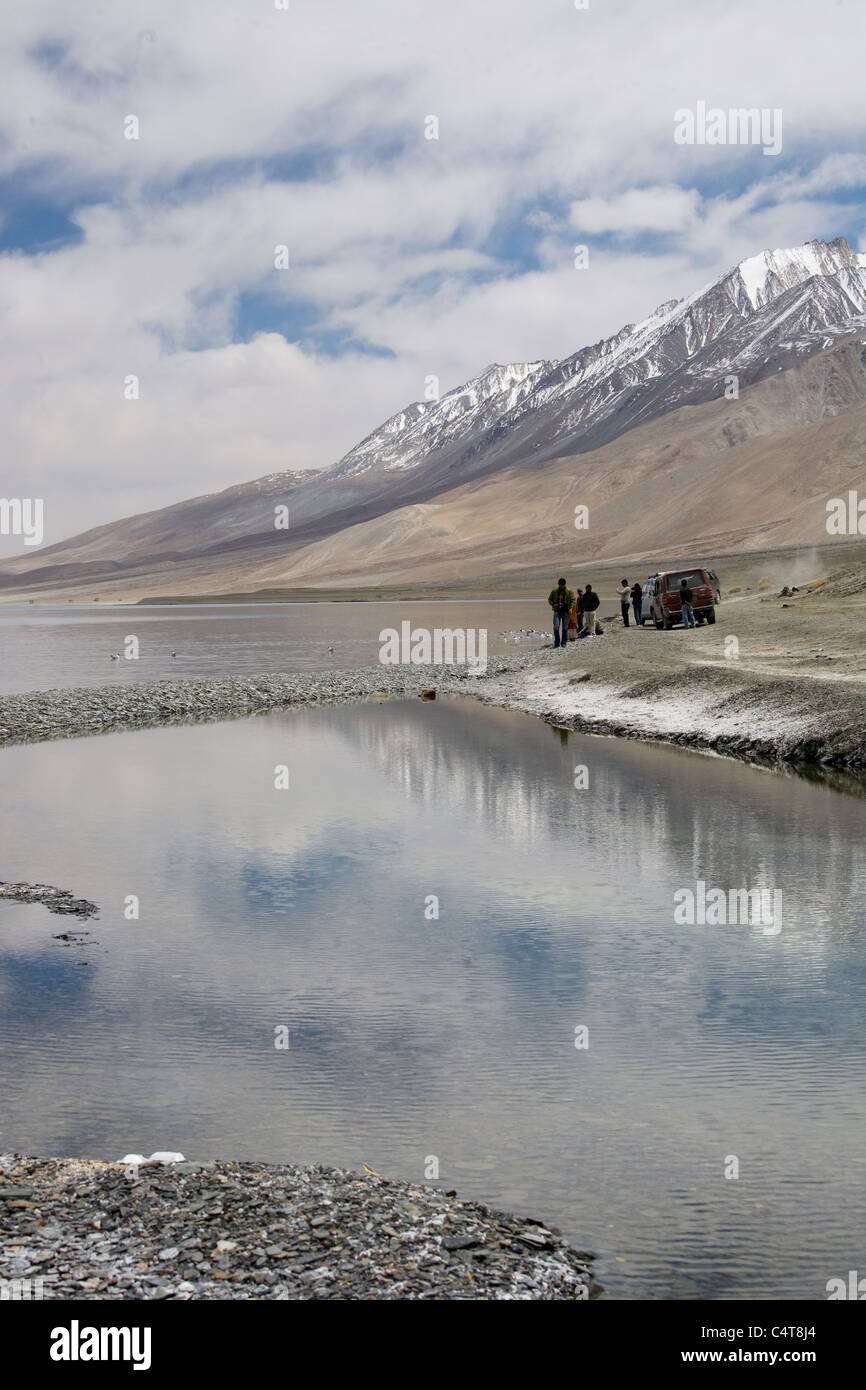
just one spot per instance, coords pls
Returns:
(416, 1040)
(47, 648)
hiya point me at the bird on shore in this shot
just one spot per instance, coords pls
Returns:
(165, 1156)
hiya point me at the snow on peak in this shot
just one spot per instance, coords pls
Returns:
(770, 272)
(499, 375)
(664, 309)
(494, 379)
(593, 380)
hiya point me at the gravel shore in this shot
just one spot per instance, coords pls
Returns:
(225, 1230)
(608, 685)
(714, 707)
(59, 900)
(48, 714)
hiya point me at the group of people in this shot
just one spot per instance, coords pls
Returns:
(633, 595)
(574, 614)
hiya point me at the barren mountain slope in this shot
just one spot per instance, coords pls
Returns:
(636, 427)
(729, 475)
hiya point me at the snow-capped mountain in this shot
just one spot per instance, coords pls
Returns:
(770, 313)
(771, 272)
(405, 440)
(771, 310)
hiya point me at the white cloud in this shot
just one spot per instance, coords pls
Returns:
(665, 209)
(555, 124)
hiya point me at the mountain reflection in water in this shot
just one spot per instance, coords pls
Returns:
(453, 1037)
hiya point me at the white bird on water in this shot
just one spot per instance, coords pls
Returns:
(115, 656)
(174, 653)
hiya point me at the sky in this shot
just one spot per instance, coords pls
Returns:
(308, 128)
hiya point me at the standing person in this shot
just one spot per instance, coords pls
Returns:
(637, 603)
(687, 598)
(624, 596)
(580, 614)
(572, 622)
(590, 604)
(560, 600)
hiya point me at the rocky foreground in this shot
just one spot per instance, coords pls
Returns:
(157, 1230)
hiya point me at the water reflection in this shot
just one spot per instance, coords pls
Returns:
(454, 1036)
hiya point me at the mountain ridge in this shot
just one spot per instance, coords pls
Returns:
(769, 314)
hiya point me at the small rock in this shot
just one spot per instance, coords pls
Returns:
(539, 1240)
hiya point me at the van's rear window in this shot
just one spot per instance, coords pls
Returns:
(694, 577)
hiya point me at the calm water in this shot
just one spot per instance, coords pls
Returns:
(45, 648)
(454, 1037)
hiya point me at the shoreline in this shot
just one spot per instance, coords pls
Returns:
(232, 1230)
(601, 688)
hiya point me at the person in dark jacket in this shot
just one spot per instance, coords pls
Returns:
(579, 611)
(590, 604)
(637, 603)
(687, 598)
(560, 600)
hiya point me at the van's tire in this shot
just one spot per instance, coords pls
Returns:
(667, 624)
(657, 621)
(711, 615)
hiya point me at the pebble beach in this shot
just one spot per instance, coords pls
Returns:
(183, 1230)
